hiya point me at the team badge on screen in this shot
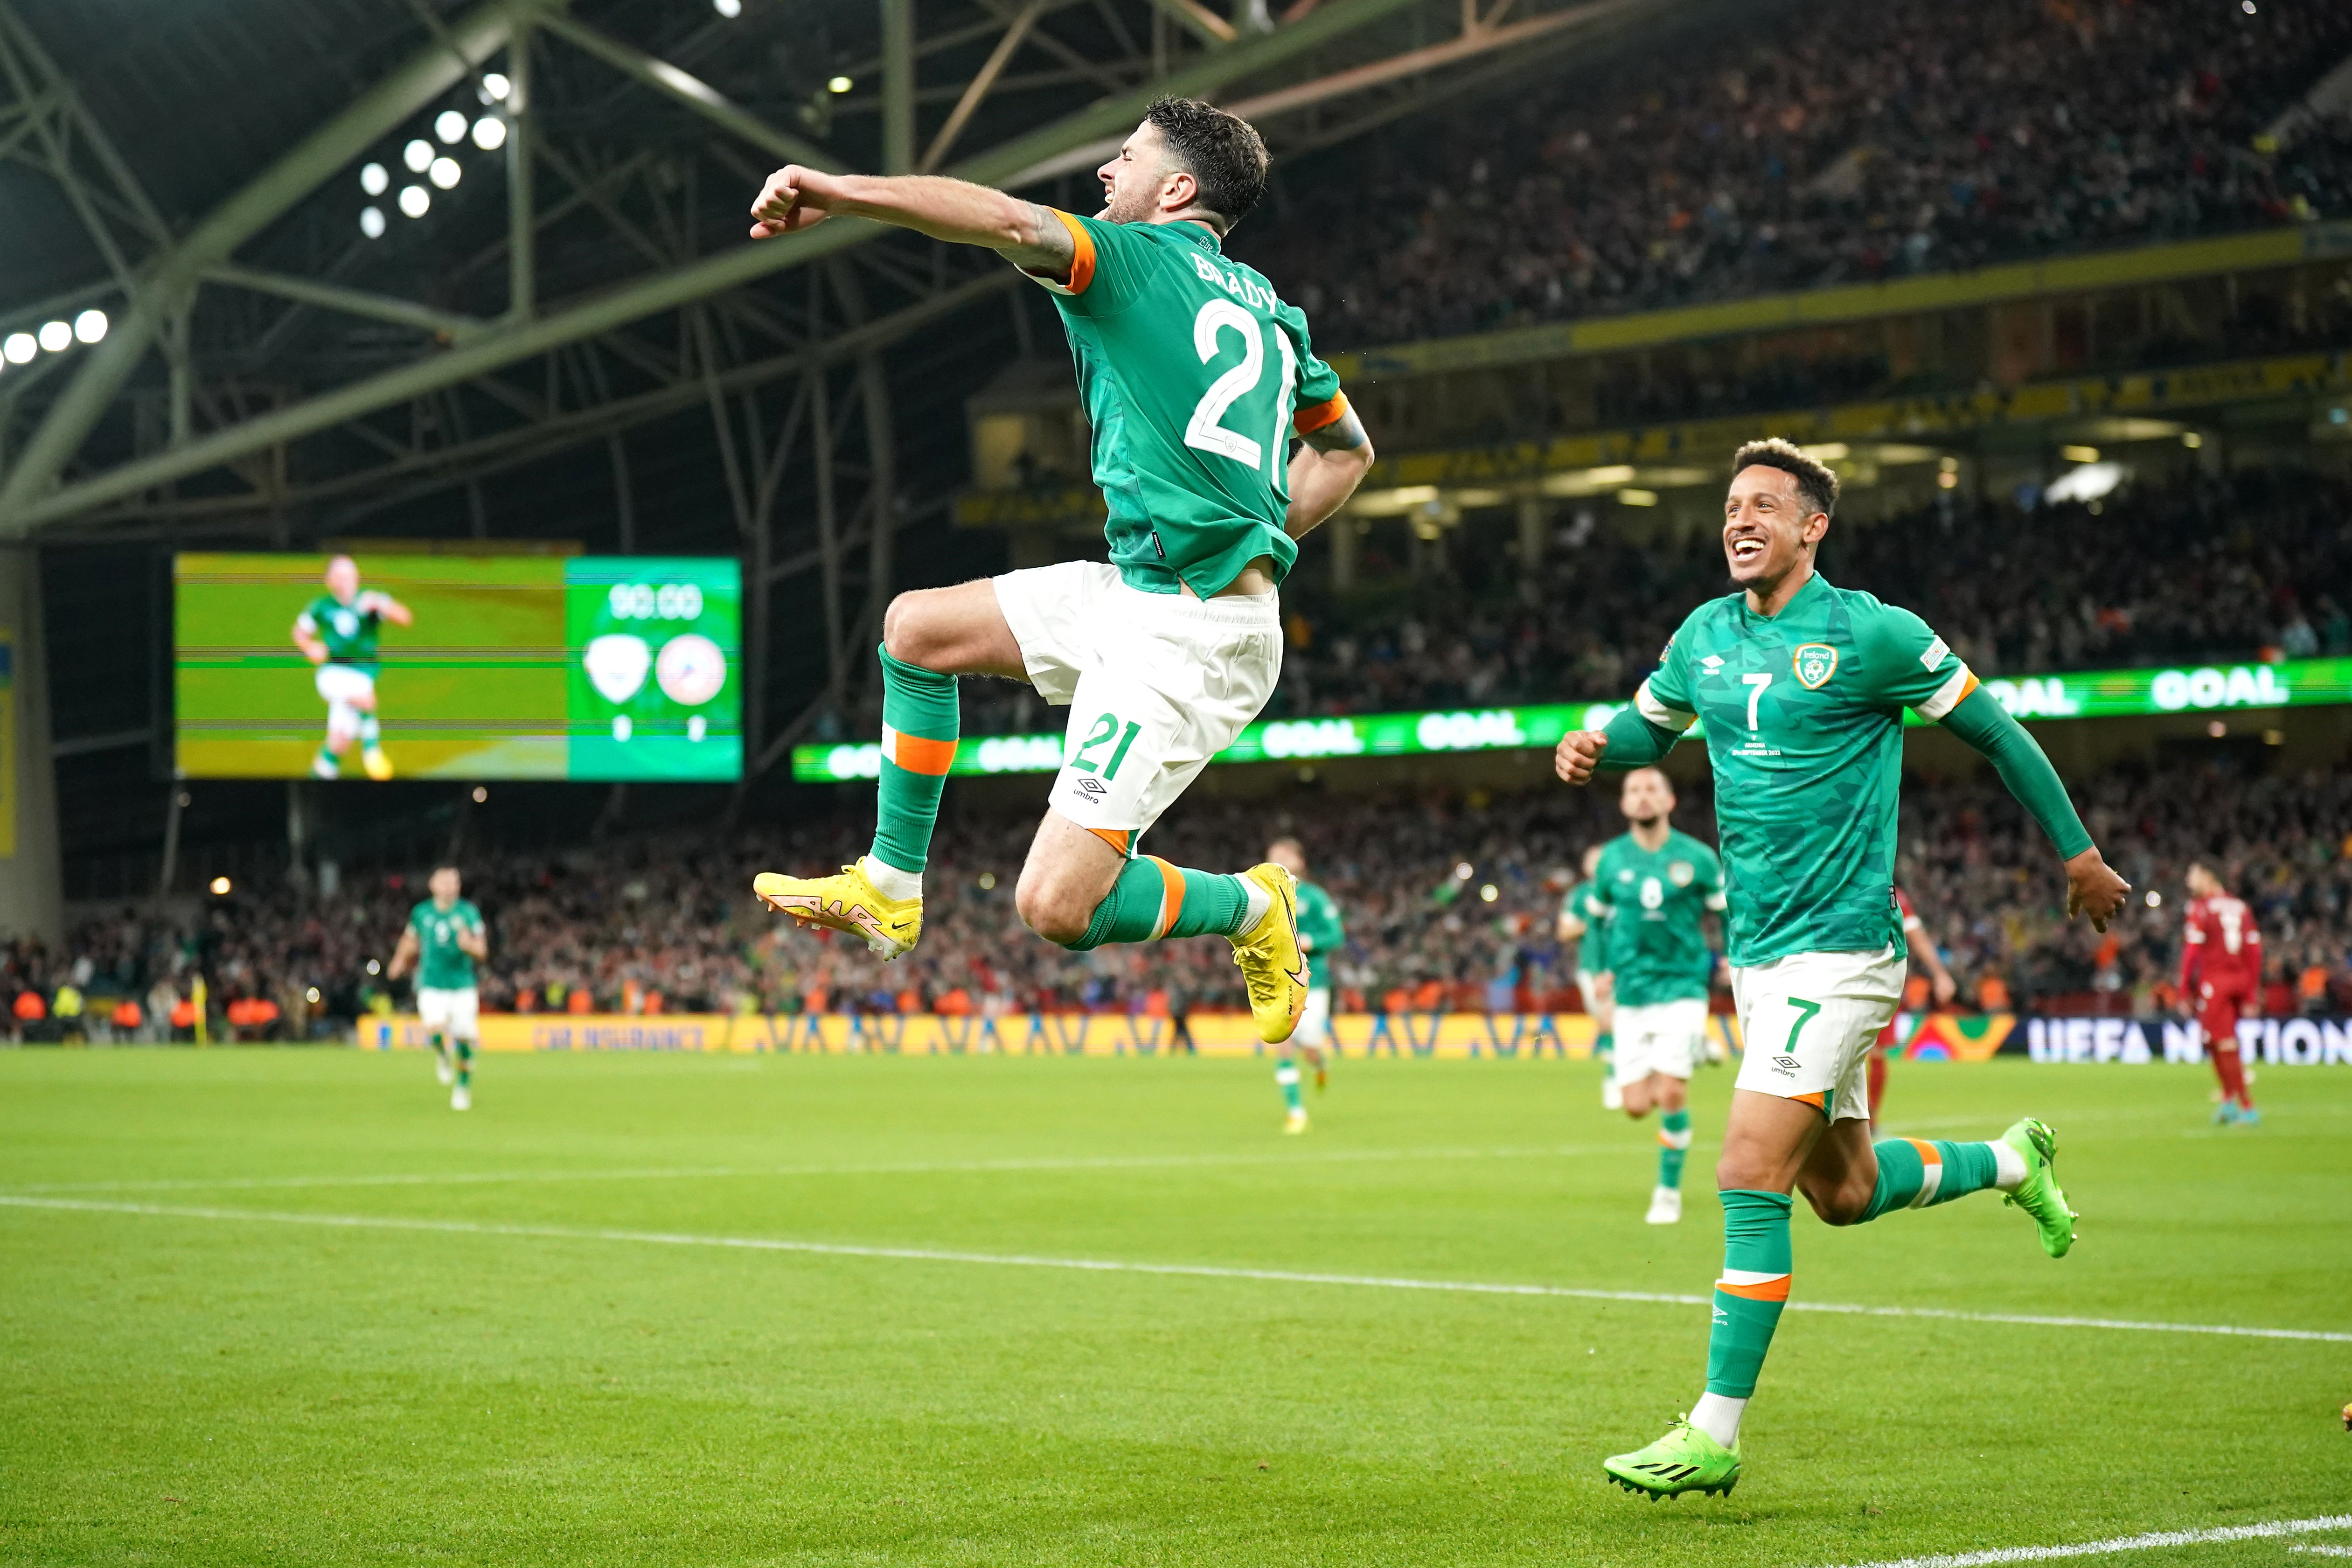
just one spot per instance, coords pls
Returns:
(1815, 663)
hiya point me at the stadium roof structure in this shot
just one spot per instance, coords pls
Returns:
(360, 259)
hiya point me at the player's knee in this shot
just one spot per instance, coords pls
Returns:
(1843, 1202)
(912, 633)
(1054, 906)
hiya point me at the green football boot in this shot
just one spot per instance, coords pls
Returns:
(2039, 1194)
(1685, 1460)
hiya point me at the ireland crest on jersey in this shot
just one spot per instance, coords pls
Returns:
(1815, 663)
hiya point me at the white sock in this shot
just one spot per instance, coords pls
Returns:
(1718, 1416)
(1260, 901)
(891, 882)
(2007, 1166)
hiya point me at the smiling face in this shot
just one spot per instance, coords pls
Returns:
(1768, 528)
(1138, 183)
(1647, 796)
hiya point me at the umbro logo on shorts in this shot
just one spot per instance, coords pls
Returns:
(1785, 1066)
(1091, 786)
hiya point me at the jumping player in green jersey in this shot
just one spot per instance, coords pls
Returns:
(1321, 935)
(1802, 686)
(445, 939)
(1655, 886)
(1579, 923)
(1196, 376)
(337, 632)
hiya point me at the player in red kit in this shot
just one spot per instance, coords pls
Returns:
(2220, 981)
(1940, 979)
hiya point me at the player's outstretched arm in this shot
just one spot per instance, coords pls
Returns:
(1630, 741)
(1029, 235)
(1329, 464)
(2092, 886)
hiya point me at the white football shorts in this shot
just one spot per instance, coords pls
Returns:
(1664, 1037)
(1314, 1022)
(1809, 1022)
(458, 1011)
(344, 683)
(1156, 684)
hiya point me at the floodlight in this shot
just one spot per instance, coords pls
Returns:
(450, 126)
(371, 222)
(418, 155)
(56, 336)
(489, 133)
(414, 200)
(375, 179)
(19, 348)
(494, 87)
(446, 172)
(731, 9)
(90, 326)
(839, 84)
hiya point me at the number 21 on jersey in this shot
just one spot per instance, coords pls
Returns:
(1207, 430)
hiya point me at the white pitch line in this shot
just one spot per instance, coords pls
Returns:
(2134, 1543)
(902, 1168)
(1113, 1266)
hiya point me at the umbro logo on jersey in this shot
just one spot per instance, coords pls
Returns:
(1711, 663)
(1815, 662)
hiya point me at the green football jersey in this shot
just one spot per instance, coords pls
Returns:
(1656, 950)
(1591, 948)
(1804, 730)
(1196, 375)
(442, 964)
(349, 631)
(1320, 934)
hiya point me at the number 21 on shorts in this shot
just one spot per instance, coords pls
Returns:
(1106, 729)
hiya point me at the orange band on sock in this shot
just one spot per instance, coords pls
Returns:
(917, 755)
(1762, 1290)
(1172, 895)
(1927, 1154)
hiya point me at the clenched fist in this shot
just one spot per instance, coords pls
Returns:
(1579, 754)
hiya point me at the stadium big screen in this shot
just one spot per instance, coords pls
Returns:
(475, 667)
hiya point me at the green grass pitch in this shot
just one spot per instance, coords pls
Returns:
(597, 1383)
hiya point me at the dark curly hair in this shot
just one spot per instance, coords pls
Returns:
(1816, 482)
(1223, 152)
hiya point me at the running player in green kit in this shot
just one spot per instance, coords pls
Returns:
(1320, 937)
(1802, 686)
(1196, 376)
(445, 938)
(337, 632)
(1655, 886)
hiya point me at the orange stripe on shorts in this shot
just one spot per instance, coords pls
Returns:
(1118, 838)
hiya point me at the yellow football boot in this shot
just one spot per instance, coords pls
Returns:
(378, 765)
(1272, 966)
(848, 902)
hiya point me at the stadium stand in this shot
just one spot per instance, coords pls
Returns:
(662, 923)
(1833, 144)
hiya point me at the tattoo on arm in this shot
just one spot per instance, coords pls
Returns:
(1344, 434)
(1046, 246)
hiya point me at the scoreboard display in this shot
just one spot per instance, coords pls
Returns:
(368, 666)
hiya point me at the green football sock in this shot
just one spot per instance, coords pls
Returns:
(921, 722)
(465, 1063)
(1675, 1141)
(371, 732)
(1753, 1290)
(329, 762)
(440, 1046)
(1604, 1046)
(1152, 899)
(1915, 1173)
(1286, 1074)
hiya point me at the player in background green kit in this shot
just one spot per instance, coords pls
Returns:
(445, 938)
(1196, 376)
(1802, 686)
(1578, 915)
(1321, 935)
(1655, 886)
(338, 632)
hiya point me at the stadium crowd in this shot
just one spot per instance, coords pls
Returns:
(2254, 565)
(1448, 899)
(1834, 141)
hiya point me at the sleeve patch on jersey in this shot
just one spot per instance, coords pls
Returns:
(1307, 421)
(1934, 656)
(1082, 259)
(1949, 694)
(1647, 705)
